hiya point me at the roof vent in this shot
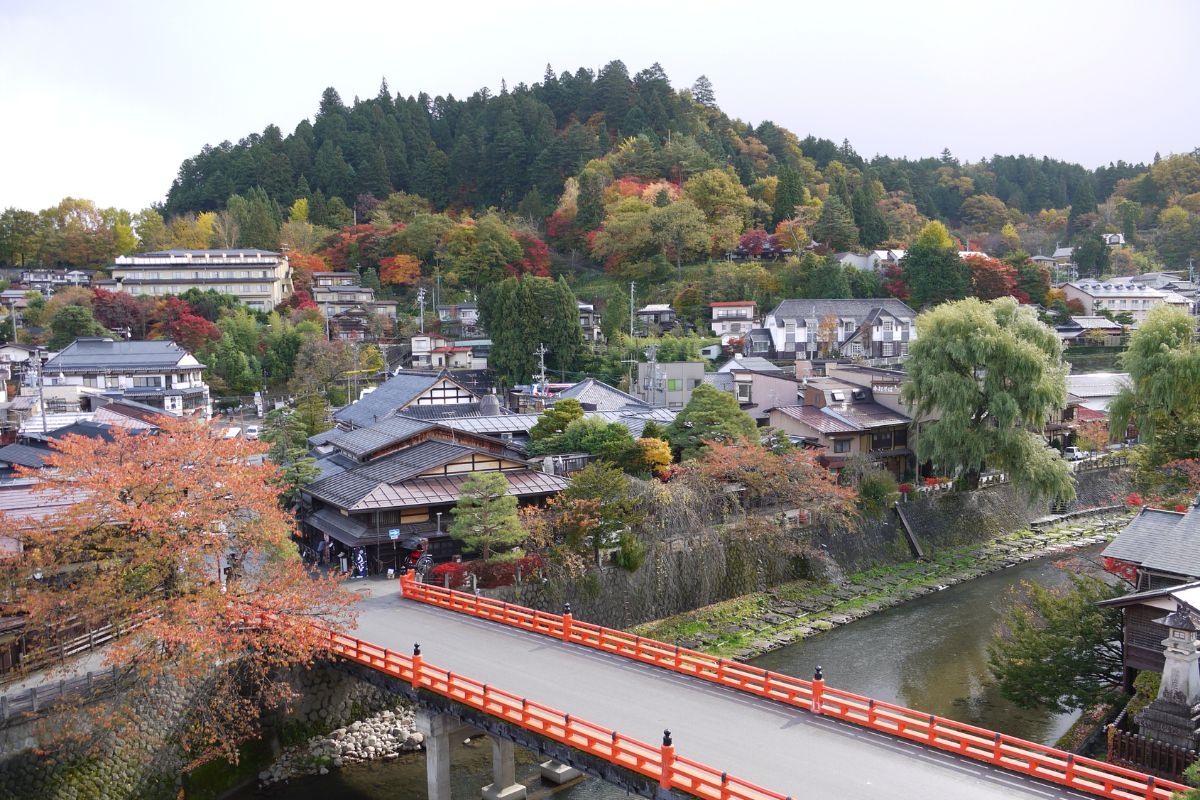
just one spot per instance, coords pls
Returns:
(489, 406)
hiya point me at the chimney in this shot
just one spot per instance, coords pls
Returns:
(803, 368)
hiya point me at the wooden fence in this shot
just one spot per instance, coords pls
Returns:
(40, 698)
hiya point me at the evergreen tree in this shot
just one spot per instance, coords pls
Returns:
(485, 517)
(1082, 202)
(872, 227)
(933, 270)
(71, 322)
(285, 431)
(789, 193)
(835, 228)
(702, 92)
(710, 415)
(590, 211)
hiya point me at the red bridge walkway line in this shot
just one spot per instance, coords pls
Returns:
(991, 747)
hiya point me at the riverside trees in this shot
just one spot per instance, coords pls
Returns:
(152, 524)
(991, 374)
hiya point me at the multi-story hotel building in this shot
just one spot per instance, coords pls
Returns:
(259, 278)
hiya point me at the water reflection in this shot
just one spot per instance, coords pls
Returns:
(930, 654)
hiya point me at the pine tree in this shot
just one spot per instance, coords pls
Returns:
(702, 92)
(835, 228)
(485, 517)
(789, 193)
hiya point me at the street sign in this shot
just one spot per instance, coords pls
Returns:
(394, 534)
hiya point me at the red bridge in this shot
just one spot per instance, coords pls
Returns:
(597, 696)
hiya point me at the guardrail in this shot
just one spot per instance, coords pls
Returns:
(39, 698)
(657, 763)
(1001, 750)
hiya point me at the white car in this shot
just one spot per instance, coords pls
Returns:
(1075, 454)
(251, 432)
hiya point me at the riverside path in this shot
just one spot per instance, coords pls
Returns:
(784, 748)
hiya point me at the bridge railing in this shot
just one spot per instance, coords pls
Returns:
(657, 763)
(1019, 755)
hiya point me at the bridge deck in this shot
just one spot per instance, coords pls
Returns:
(775, 746)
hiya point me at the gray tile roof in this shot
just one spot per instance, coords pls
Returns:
(601, 396)
(438, 413)
(24, 455)
(860, 310)
(393, 394)
(347, 488)
(362, 441)
(103, 353)
(1163, 541)
(720, 380)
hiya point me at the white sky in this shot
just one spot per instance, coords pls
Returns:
(105, 99)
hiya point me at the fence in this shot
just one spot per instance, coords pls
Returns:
(40, 698)
(1099, 462)
(53, 648)
(1008, 752)
(1138, 752)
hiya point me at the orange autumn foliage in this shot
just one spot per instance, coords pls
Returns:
(400, 270)
(152, 522)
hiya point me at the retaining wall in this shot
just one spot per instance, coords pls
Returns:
(146, 762)
(694, 570)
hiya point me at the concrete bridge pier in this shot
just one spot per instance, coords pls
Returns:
(440, 730)
(504, 784)
(557, 772)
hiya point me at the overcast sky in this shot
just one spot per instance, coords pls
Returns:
(104, 100)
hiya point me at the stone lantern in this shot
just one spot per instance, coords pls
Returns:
(1174, 716)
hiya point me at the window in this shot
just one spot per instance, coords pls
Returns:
(838, 396)
(151, 381)
(111, 382)
(674, 385)
(900, 438)
(760, 345)
(887, 326)
(743, 392)
(92, 381)
(841, 445)
(881, 440)
(887, 349)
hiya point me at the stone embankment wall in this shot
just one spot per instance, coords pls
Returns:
(145, 761)
(686, 572)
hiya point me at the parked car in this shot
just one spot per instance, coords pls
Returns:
(1075, 454)
(251, 432)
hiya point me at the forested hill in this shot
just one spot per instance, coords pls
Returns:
(515, 149)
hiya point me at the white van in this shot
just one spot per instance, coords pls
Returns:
(231, 433)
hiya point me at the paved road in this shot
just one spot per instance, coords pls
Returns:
(778, 747)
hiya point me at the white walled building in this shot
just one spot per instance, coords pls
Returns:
(806, 329)
(733, 319)
(1121, 295)
(158, 374)
(259, 278)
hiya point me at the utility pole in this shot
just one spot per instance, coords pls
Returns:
(540, 377)
(632, 342)
(421, 302)
(37, 356)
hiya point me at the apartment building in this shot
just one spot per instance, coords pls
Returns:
(1122, 295)
(732, 320)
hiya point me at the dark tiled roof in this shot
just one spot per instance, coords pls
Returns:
(103, 353)
(345, 489)
(439, 412)
(393, 394)
(92, 430)
(362, 441)
(24, 455)
(858, 309)
(1163, 541)
(601, 396)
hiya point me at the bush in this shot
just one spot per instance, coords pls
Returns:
(876, 491)
(457, 572)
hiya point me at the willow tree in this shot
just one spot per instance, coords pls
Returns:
(1163, 362)
(991, 375)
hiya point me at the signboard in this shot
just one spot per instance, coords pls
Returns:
(394, 534)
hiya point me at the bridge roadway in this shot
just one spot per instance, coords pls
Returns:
(776, 746)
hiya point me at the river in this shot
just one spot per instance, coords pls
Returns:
(928, 654)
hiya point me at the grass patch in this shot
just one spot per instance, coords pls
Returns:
(724, 627)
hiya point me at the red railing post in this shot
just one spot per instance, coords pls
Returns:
(818, 689)
(566, 622)
(1150, 788)
(667, 759)
(417, 661)
(406, 580)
